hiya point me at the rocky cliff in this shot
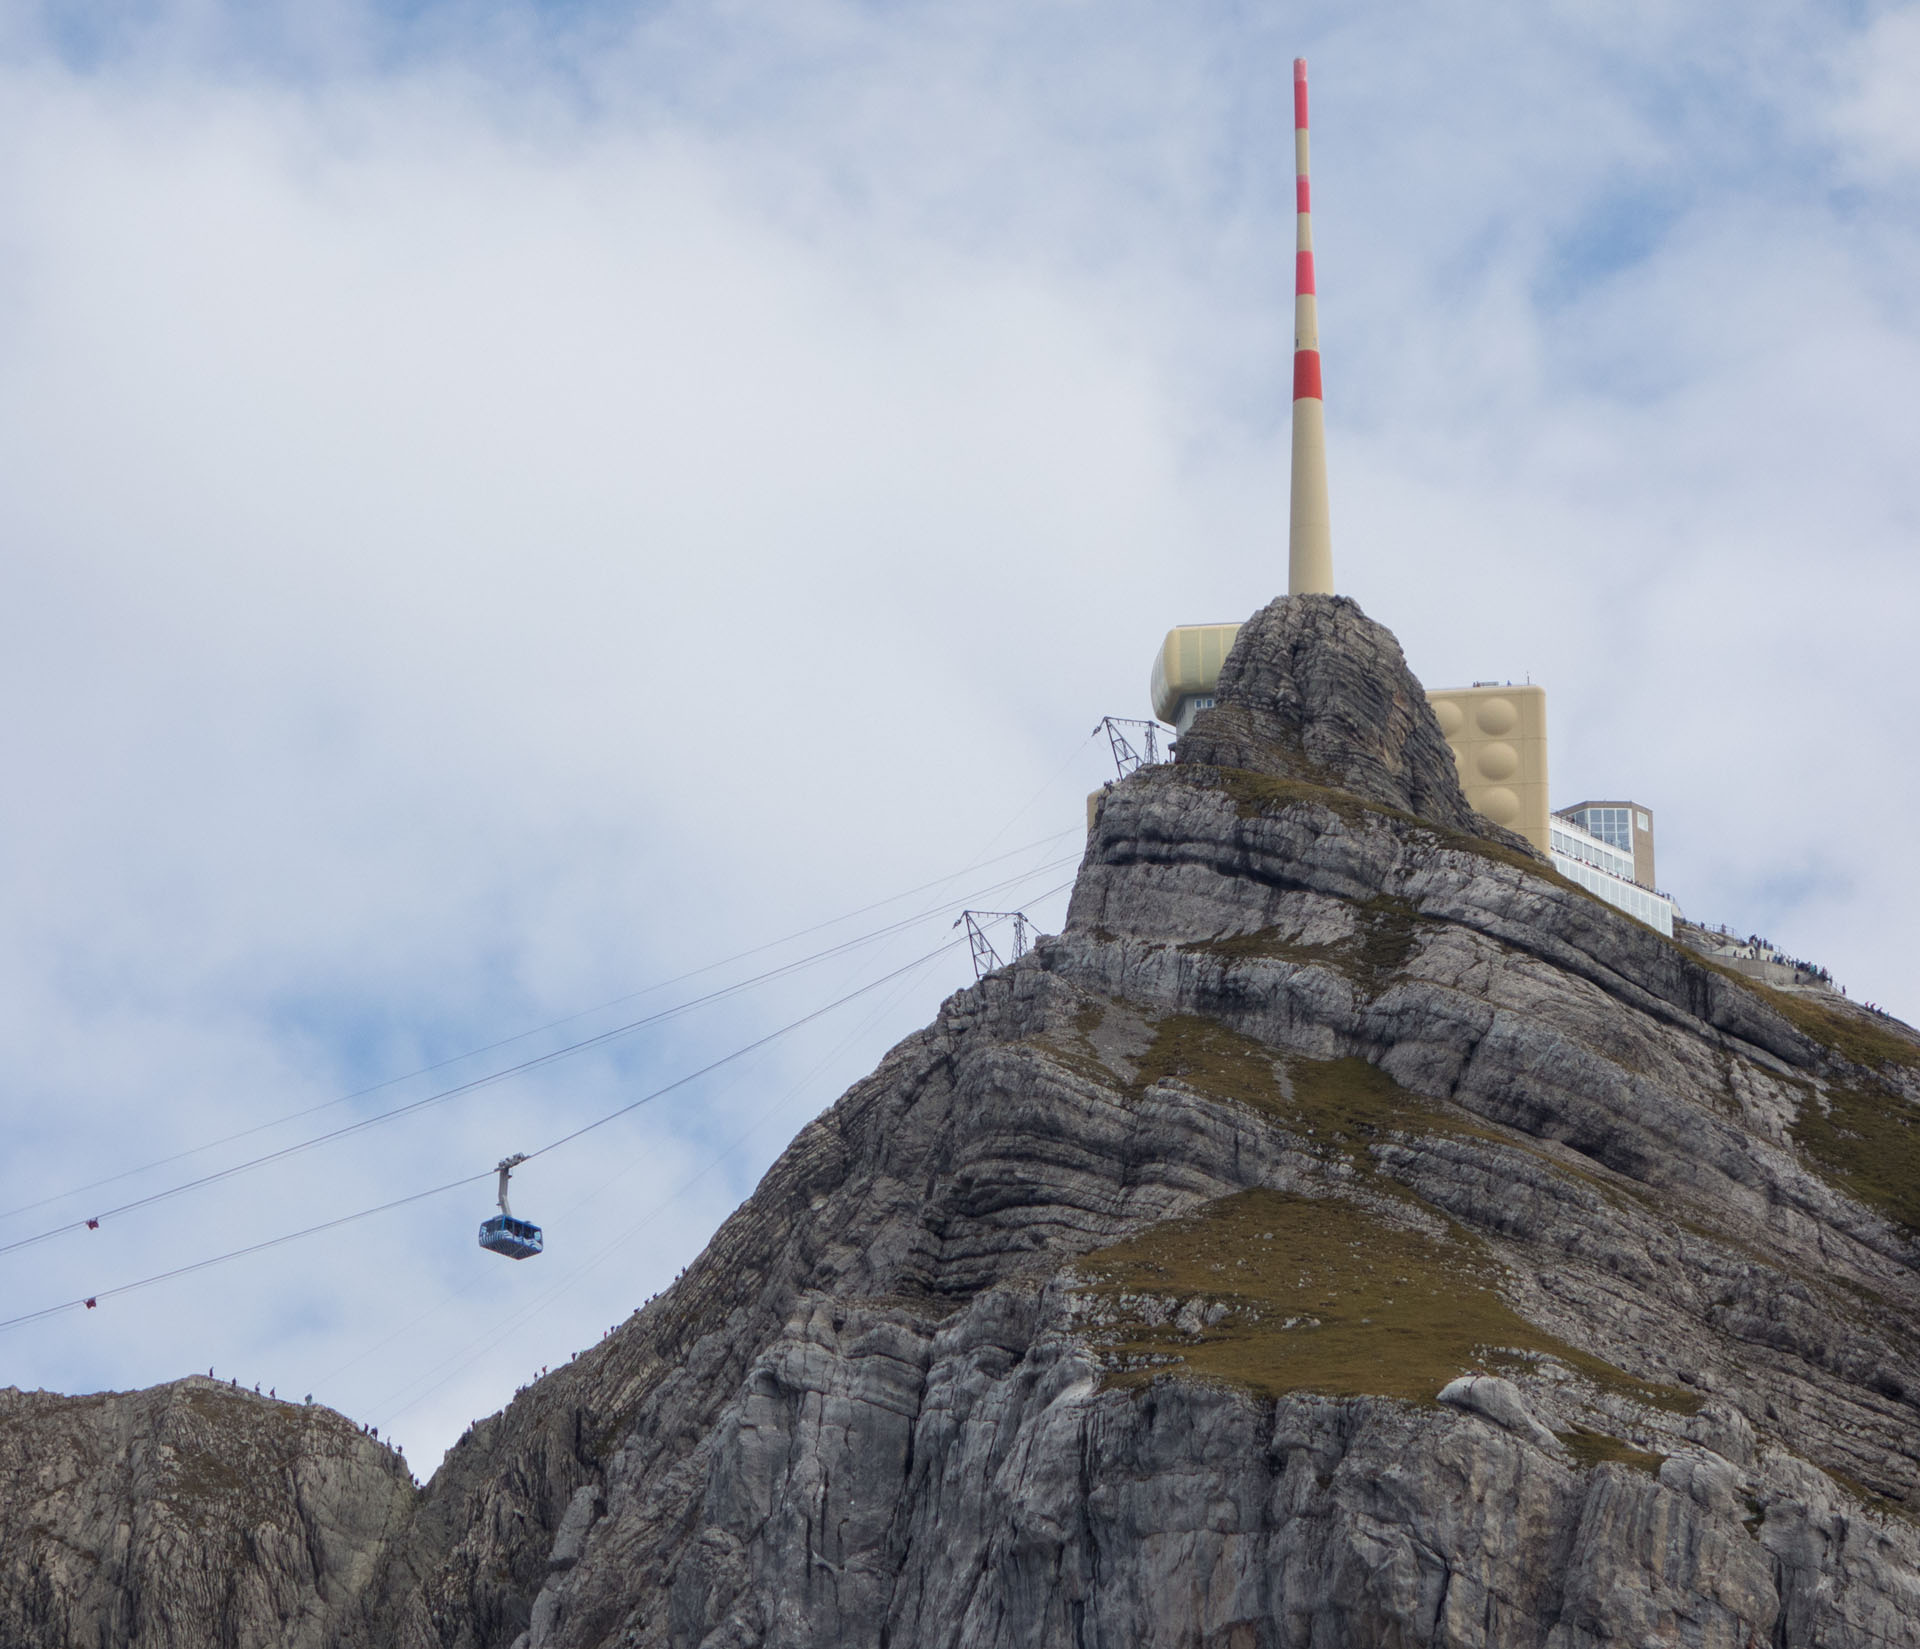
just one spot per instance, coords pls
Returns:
(191, 1515)
(1346, 1232)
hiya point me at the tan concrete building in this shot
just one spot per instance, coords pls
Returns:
(1498, 734)
(1186, 671)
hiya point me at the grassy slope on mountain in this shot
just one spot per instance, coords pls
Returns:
(1322, 1294)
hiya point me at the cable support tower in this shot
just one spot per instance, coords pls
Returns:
(1126, 759)
(986, 959)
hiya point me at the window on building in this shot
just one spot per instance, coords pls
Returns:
(1613, 825)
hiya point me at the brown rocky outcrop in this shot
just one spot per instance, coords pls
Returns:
(189, 1515)
(1345, 1232)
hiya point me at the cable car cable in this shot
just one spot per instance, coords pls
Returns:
(510, 1325)
(552, 1292)
(611, 1116)
(1058, 774)
(552, 1024)
(513, 1323)
(89, 1301)
(536, 1062)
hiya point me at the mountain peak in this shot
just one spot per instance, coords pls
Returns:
(1316, 691)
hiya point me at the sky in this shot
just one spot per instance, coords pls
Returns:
(502, 507)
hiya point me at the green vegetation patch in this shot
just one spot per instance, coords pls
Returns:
(224, 1471)
(1263, 942)
(1257, 794)
(1388, 930)
(1872, 1499)
(1318, 1294)
(1515, 859)
(1343, 1105)
(1596, 1448)
(1076, 1056)
(1339, 1106)
(1867, 1141)
(1852, 1036)
(1206, 1055)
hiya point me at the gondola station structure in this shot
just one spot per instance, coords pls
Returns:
(1496, 730)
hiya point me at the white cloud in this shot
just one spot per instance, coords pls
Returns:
(1877, 114)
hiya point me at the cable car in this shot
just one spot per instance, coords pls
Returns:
(503, 1234)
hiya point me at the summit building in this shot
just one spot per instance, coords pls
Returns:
(1497, 731)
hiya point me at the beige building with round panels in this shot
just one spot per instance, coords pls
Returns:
(1498, 734)
(1499, 739)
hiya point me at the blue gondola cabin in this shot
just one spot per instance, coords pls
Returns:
(517, 1239)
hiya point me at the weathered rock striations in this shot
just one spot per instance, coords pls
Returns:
(190, 1515)
(1315, 690)
(1346, 1232)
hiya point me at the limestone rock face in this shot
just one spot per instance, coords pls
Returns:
(1116, 1307)
(1315, 690)
(175, 1516)
(1499, 1401)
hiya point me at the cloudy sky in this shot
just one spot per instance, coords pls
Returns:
(501, 507)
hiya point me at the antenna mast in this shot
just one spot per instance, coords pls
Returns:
(1309, 528)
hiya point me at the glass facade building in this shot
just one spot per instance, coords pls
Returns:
(1622, 824)
(1571, 841)
(1613, 825)
(1606, 868)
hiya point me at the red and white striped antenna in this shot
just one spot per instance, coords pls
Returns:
(1309, 529)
